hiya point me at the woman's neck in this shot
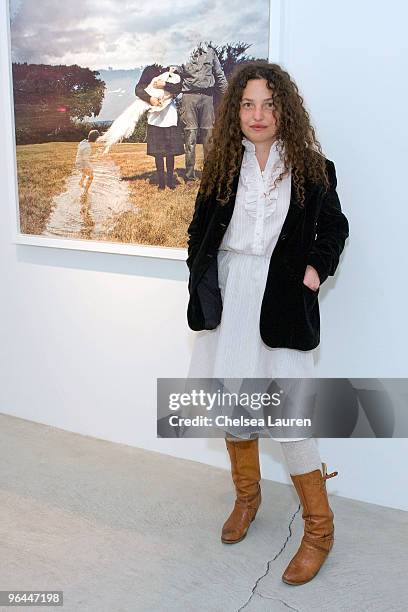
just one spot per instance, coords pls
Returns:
(262, 150)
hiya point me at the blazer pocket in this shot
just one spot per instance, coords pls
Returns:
(311, 298)
(309, 290)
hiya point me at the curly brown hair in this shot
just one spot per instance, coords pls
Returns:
(302, 150)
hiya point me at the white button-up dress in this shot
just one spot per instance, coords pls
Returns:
(235, 348)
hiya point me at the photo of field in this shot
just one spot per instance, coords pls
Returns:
(75, 68)
(123, 206)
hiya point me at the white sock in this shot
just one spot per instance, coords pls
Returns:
(302, 456)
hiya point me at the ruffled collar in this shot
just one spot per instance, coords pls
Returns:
(275, 150)
(257, 183)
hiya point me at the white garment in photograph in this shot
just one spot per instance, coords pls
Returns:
(235, 348)
(163, 116)
(166, 117)
(83, 156)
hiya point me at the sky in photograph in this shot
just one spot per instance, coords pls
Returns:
(123, 34)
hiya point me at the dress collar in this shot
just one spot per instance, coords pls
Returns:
(275, 158)
(250, 147)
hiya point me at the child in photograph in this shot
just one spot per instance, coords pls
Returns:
(83, 160)
(164, 136)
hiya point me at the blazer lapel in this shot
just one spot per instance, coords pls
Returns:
(294, 212)
(217, 227)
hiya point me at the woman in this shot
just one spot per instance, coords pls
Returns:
(164, 136)
(266, 232)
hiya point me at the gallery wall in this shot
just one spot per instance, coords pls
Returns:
(83, 336)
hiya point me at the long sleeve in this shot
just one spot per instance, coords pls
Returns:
(145, 79)
(195, 230)
(141, 93)
(332, 230)
(219, 75)
(171, 88)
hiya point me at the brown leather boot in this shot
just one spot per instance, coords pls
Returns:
(246, 475)
(318, 536)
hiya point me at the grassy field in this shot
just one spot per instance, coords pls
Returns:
(41, 170)
(161, 219)
(163, 216)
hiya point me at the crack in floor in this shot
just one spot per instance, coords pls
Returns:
(277, 599)
(268, 567)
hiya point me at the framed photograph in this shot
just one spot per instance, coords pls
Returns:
(111, 112)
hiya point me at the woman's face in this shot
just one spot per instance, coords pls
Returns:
(256, 113)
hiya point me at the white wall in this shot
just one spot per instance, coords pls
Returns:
(84, 335)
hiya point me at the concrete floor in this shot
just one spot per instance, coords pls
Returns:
(122, 529)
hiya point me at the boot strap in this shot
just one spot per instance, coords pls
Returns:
(326, 476)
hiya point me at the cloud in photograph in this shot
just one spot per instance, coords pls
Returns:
(128, 33)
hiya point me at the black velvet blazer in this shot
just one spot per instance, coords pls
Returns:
(312, 234)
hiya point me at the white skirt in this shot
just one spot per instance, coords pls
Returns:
(235, 348)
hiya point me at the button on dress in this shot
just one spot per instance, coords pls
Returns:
(235, 348)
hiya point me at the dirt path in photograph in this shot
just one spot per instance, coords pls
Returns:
(90, 216)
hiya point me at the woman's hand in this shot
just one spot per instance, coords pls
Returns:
(311, 278)
(159, 84)
(155, 102)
